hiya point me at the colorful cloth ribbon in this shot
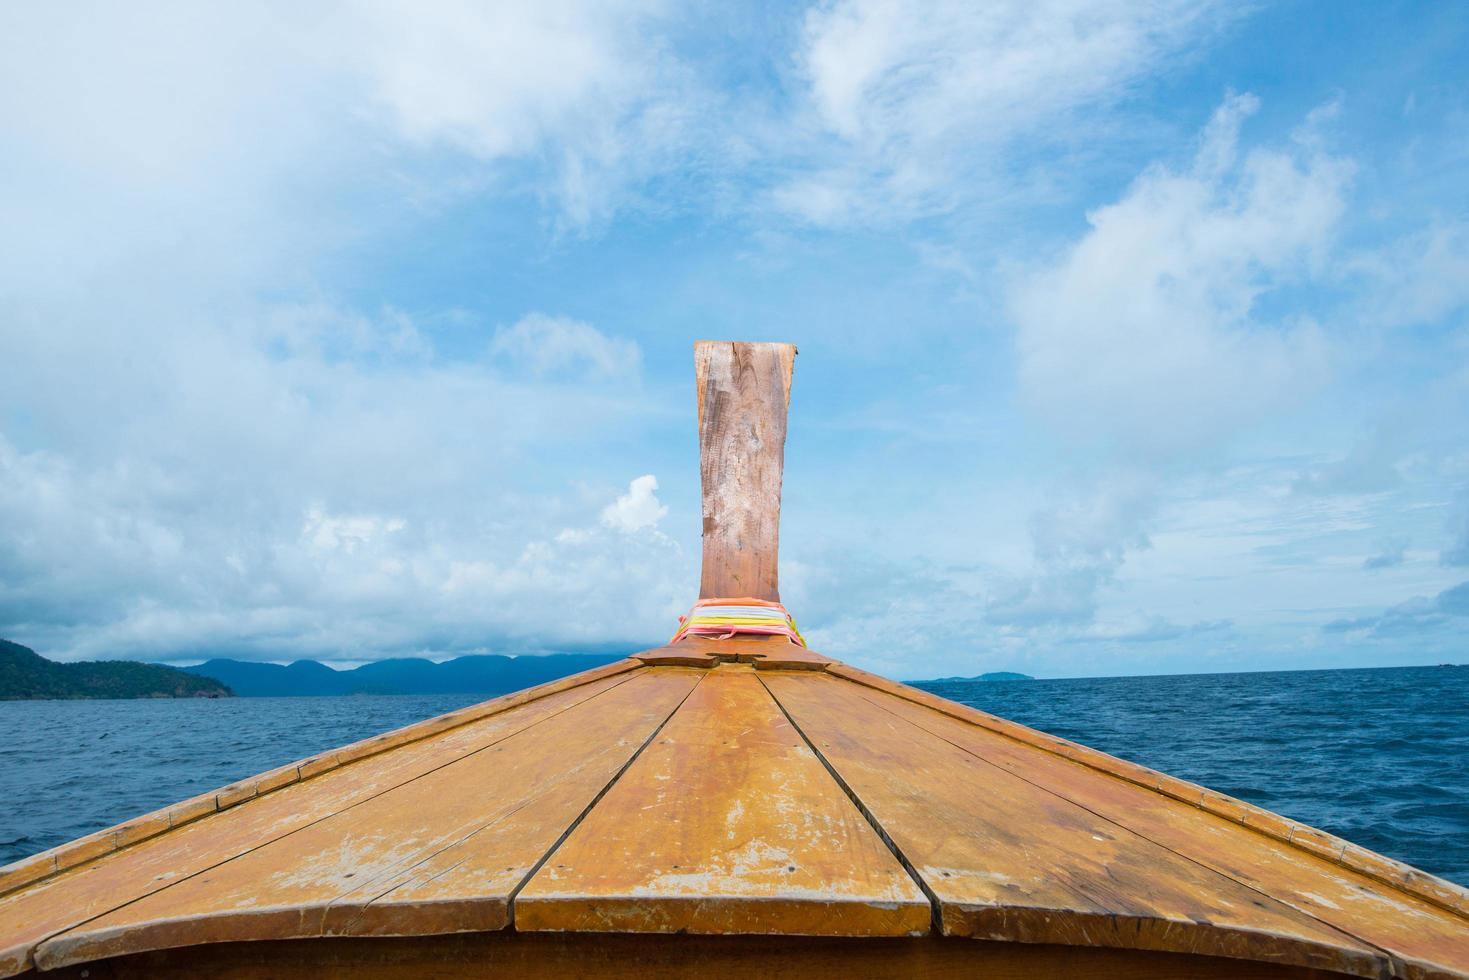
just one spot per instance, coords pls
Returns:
(721, 619)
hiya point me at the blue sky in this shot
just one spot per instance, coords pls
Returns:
(1134, 336)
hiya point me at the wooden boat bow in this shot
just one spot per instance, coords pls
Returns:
(724, 807)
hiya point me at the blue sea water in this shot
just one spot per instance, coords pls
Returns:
(1380, 757)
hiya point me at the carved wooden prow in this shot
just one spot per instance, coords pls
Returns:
(744, 392)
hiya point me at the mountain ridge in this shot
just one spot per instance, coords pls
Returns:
(25, 675)
(487, 674)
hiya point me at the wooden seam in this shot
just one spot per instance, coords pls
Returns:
(935, 905)
(37, 867)
(1388, 961)
(580, 817)
(1402, 877)
(41, 947)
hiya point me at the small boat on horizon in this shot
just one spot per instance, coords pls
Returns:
(730, 804)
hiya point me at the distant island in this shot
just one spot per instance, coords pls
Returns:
(488, 675)
(26, 675)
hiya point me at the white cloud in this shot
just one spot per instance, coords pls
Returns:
(244, 127)
(1079, 547)
(1421, 278)
(586, 87)
(207, 440)
(547, 345)
(924, 98)
(637, 509)
(175, 129)
(1146, 333)
(118, 558)
(327, 532)
(191, 466)
(1142, 346)
(500, 79)
(165, 509)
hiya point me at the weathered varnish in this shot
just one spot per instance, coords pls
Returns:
(726, 824)
(726, 808)
(744, 391)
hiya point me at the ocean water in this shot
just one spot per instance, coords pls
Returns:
(1380, 757)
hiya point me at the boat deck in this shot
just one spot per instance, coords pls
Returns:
(645, 816)
(733, 787)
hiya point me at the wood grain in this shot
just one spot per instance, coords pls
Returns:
(442, 852)
(1400, 877)
(744, 392)
(728, 823)
(542, 956)
(92, 846)
(763, 652)
(1008, 860)
(1425, 940)
(32, 914)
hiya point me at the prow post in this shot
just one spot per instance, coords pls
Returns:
(744, 392)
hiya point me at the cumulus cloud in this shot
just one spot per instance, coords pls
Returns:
(229, 423)
(203, 448)
(234, 492)
(1142, 344)
(327, 532)
(890, 615)
(544, 345)
(1147, 333)
(1419, 278)
(901, 107)
(917, 96)
(248, 126)
(120, 559)
(501, 80)
(1079, 547)
(588, 87)
(637, 509)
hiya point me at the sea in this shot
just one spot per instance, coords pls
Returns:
(1380, 757)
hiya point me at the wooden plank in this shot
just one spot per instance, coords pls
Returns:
(764, 652)
(610, 956)
(1426, 940)
(130, 832)
(1008, 860)
(1399, 876)
(744, 392)
(45, 908)
(482, 822)
(728, 823)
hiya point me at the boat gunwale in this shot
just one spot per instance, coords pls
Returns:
(961, 923)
